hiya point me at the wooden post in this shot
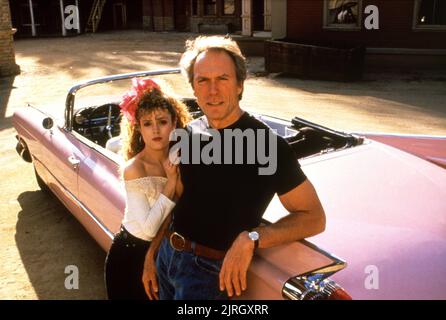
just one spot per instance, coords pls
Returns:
(267, 15)
(62, 16)
(31, 11)
(247, 18)
(77, 17)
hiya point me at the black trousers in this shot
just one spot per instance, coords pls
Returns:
(124, 267)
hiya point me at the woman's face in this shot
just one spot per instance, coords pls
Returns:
(155, 128)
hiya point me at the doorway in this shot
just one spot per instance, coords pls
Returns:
(182, 15)
(257, 15)
(119, 15)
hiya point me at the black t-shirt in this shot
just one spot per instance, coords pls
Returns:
(221, 200)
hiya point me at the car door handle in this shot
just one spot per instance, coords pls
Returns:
(74, 162)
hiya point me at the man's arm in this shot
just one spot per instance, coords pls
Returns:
(306, 218)
(149, 273)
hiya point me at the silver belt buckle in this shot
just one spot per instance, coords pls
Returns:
(179, 236)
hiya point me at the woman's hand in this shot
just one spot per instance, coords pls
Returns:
(171, 170)
(149, 277)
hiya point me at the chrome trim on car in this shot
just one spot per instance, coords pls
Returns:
(92, 216)
(22, 150)
(402, 135)
(69, 102)
(77, 202)
(313, 284)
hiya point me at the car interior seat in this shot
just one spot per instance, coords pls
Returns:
(114, 144)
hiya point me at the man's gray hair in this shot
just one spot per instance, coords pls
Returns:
(206, 43)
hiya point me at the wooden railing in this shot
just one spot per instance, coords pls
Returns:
(95, 16)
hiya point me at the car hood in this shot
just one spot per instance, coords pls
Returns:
(386, 216)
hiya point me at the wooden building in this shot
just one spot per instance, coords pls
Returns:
(402, 23)
(7, 57)
(398, 34)
(48, 17)
(414, 28)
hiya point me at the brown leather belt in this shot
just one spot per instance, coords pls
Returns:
(179, 243)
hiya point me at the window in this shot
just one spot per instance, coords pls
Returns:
(342, 14)
(430, 14)
(229, 7)
(210, 7)
(195, 7)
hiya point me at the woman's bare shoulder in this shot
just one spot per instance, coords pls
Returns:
(133, 169)
(136, 168)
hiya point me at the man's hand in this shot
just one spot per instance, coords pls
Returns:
(236, 264)
(149, 277)
(149, 273)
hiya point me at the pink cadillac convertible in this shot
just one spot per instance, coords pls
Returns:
(384, 197)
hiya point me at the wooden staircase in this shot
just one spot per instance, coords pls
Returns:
(95, 16)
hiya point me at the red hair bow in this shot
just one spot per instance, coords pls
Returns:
(130, 99)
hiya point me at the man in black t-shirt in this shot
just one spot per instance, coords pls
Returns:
(231, 168)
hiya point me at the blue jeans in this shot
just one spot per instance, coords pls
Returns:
(185, 276)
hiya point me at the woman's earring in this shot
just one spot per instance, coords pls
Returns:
(140, 139)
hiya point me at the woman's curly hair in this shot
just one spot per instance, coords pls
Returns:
(154, 99)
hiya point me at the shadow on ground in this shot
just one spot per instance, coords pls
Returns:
(49, 239)
(6, 86)
(5, 123)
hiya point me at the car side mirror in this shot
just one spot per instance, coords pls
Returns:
(47, 123)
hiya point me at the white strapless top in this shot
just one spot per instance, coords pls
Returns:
(146, 207)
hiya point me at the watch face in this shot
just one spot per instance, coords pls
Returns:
(254, 235)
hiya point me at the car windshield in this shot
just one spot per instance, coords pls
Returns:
(112, 92)
(96, 111)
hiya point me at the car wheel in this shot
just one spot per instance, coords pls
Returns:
(41, 183)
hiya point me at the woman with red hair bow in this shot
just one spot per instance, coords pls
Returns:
(149, 179)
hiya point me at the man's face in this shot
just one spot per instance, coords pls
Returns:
(216, 88)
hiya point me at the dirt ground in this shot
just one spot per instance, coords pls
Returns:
(40, 238)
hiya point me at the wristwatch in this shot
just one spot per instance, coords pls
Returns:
(254, 236)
